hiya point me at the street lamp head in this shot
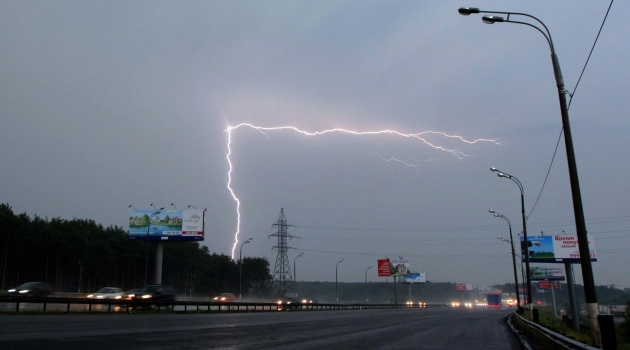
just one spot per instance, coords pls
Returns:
(494, 169)
(502, 175)
(492, 19)
(492, 211)
(496, 215)
(465, 11)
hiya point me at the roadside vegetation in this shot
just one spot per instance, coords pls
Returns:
(547, 320)
(81, 256)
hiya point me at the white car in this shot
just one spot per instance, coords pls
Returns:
(107, 293)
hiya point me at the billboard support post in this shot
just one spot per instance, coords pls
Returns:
(395, 292)
(146, 262)
(159, 252)
(572, 300)
(553, 299)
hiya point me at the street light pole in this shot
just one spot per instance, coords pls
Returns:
(240, 268)
(518, 298)
(336, 281)
(578, 209)
(366, 287)
(295, 273)
(146, 262)
(525, 245)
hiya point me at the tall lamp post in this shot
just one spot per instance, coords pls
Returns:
(578, 210)
(366, 288)
(525, 245)
(240, 268)
(295, 272)
(146, 262)
(336, 281)
(511, 241)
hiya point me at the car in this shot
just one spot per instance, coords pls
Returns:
(130, 293)
(32, 289)
(289, 303)
(107, 293)
(224, 298)
(155, 292)
(309, 301)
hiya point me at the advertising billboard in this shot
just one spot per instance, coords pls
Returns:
(384, 267)
(166, 225)
(556, 249)
(546, 273)
(464, 287)
(547, 285)
(400, 267)
(415, 277)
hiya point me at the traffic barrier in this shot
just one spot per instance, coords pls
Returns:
(184, 305)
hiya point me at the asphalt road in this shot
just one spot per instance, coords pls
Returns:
(361, 329)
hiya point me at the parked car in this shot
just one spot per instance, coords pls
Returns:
(107, 293)
(157, 292)
(225, 298)
(32, 289)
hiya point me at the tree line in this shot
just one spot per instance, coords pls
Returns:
(81, 256)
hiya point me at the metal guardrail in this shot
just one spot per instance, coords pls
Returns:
(118, 305)
(557, 338)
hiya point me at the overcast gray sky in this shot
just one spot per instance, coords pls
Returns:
(104, 104)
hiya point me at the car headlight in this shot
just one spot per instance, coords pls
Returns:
(100, 297)
(146, 296)
(89, 296)
(117, 297)
(24, 291)
(11, 290)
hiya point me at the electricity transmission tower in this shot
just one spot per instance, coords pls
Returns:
(282, 280)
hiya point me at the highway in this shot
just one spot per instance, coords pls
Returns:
(359, 329)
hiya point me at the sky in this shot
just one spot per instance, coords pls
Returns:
(106, 104)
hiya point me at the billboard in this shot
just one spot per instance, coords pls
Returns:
(384, 267)
(415, 277)
(463, 287)
(547, 285)
(166, 225)
(546, 273)
(400, 267)
(556, 249)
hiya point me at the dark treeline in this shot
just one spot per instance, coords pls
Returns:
(80, 255)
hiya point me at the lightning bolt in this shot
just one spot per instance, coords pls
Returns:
(407, 162)
(419, 136)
